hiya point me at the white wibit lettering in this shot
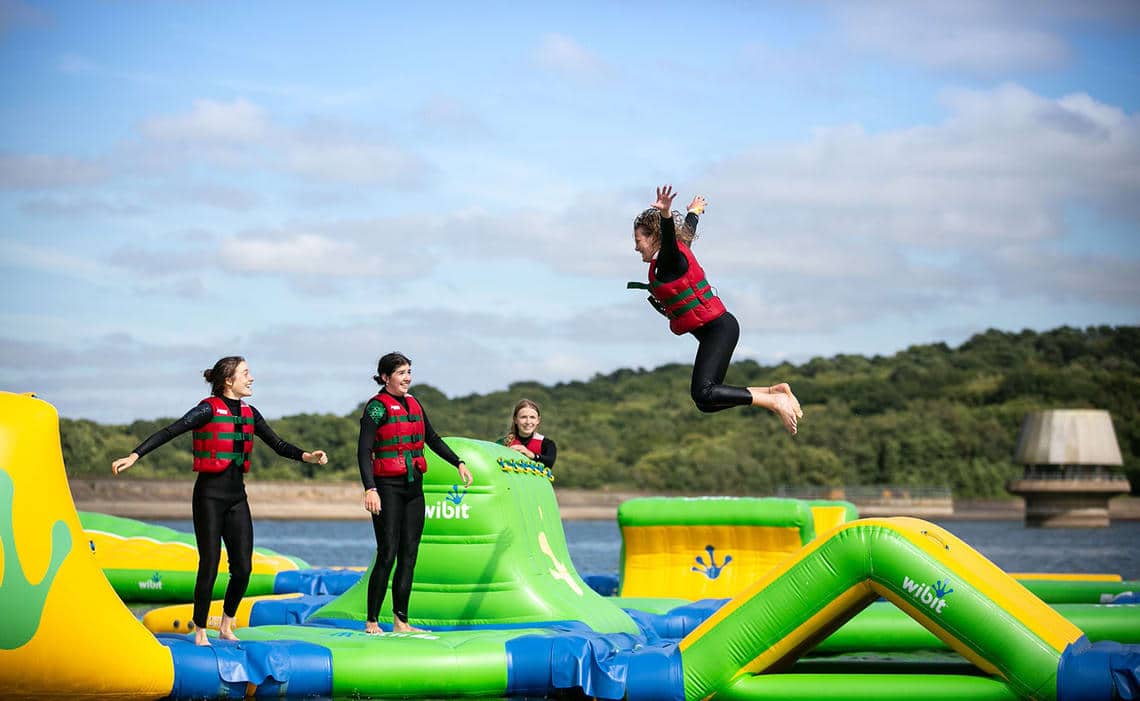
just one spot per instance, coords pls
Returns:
(931, 597)
(445, 509)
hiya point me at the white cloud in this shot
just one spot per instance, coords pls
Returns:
(297, 254)
(49, 258)
(81, 207)
(1000, 170)
(211, 122)
(232, 199)
(568, 58)
(78, 375)
(41, 171)
(239, 137)
(355, 163)
(981, 37)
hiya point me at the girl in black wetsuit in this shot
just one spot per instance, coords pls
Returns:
(224, 427)
(393, 432)
(680, 291)
(523, 437)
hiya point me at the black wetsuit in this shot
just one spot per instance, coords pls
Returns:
(716, 340)
(221, 511)
(400, 524)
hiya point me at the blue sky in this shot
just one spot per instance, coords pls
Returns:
(311, 185)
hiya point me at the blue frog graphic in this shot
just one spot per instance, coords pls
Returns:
(455, 496)
(711, 570)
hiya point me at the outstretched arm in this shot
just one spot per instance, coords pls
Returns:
(279, 445)
(197, 417)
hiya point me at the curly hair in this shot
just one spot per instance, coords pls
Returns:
(651, 220)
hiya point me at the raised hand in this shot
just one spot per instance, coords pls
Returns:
(664, 203)
(698, 204)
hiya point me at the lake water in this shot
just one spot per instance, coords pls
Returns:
(595, 546)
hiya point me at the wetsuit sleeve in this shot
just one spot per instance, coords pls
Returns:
(670, 263)
(691, 221)
(547, 452)
(279, 445)
(433, 441)
(197, 417)
(369, 422)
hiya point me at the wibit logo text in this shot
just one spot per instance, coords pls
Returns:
(933, 597)
(452, 505)
(155, 582)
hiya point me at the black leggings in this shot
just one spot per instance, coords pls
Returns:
(398, 528)
(217, 521)
(717, 339)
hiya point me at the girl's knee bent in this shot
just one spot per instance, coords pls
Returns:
(703, 399)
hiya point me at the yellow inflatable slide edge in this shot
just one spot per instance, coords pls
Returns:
(54, 599)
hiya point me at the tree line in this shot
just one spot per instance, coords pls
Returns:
(930, 415)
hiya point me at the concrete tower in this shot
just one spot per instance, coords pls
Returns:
(1068, 479)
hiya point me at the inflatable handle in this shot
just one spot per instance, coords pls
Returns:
(935, 538)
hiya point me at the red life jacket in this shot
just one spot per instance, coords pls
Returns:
(688, 301)
(214, 442)
(533, 444)
(399, 443)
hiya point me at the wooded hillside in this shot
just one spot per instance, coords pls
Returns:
(928, 416)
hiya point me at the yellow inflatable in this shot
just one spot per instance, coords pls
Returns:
(53, 597)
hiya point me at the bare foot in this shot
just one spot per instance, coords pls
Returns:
(785, 388)
(200, 638)
(783, 408)
(372, 628)
(779, 400)
(226, 629)
(403, 627)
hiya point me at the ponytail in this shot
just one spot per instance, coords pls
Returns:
(223, 370)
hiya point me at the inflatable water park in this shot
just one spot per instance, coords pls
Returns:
(716, 598)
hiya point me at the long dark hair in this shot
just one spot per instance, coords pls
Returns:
(223, 370)
(388, 364)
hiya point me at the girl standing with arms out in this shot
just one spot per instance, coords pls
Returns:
(523, 437)
(680, 291)
(390, 452)
(224, 427)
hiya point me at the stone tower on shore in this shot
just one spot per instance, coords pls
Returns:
(1069, 456)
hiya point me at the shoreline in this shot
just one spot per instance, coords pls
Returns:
(170, 500)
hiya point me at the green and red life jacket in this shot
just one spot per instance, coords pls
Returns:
(399, 444)
(214, 443)
(533, 444)
(689, 302)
